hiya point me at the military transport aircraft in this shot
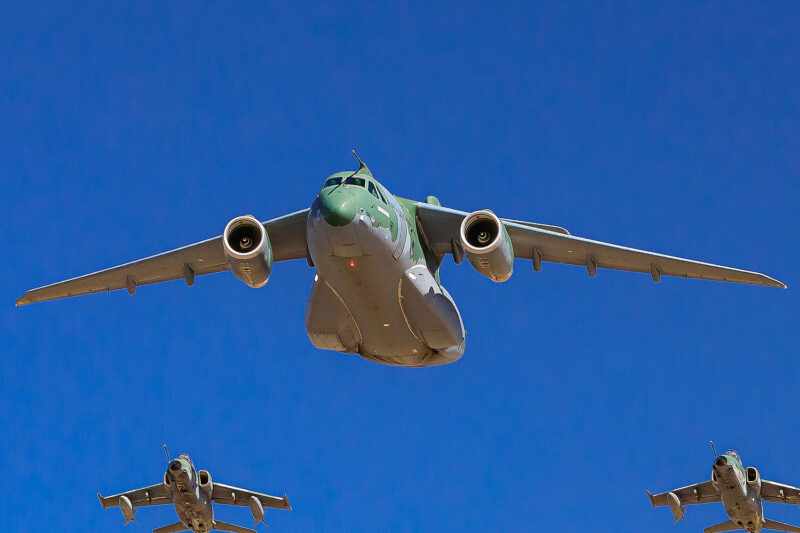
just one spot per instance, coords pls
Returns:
(193, 492)
(377, 290)
(741, 490)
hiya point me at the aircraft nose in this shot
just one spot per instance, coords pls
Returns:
(721, 461)
(337, 208)
(177, 470)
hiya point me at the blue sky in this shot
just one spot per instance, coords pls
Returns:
(132, 129)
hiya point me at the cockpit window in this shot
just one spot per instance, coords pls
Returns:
(374, 190)
(332, 181)
(382, 196)
(352, 180)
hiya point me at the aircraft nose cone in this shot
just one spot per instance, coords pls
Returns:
(721, 461)
(337, 208)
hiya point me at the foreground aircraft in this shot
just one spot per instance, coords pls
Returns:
(377, 290)
(193, 492)
(741, 490)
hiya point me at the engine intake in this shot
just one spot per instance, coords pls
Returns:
(205, 482)
(487, 245)
(754, 477)
(248, 250)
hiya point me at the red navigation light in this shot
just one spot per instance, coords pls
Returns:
(352, 264)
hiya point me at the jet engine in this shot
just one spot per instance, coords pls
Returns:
(754, 478)
(248, 250)
(487, 245)
(204, 480)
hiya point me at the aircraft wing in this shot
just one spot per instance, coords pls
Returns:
(704, 492)
(287, 236)
(228, 495)
(153, 495)
(440, 227)
(779, 493)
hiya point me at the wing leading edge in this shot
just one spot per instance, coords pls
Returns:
(153, 495)
(696, 493)
(229, 495)
(779, 493)
(287, 237)
(530, 241)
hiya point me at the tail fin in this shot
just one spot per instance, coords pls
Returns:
(233, 528)
(172, 528)
(780, 526)
(722, 526)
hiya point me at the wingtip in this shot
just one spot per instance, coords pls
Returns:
(652, 499)
(774, 282)
(100, 499)
(22, 301)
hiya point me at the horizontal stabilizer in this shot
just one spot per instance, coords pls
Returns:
(722, 526)
(233, 528)
(780, 526)
(172, 528)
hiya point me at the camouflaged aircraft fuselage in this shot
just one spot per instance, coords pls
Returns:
(376, 291)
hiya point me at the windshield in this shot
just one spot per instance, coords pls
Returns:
(332, 181)
(352, 180)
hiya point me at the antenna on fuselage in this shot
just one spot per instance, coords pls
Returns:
(713, 448)
(166, 451)
(361, 164)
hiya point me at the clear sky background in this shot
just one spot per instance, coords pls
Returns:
(130, 130)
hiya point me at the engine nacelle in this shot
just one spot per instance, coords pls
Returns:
(126, 507)
(205, 482)
(248, 250)
(754, 478)
(487, 245)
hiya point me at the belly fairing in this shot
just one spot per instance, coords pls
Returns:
(743, 507)
(369, 299)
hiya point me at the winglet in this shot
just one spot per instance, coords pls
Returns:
(100, 499)
(652, 499)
